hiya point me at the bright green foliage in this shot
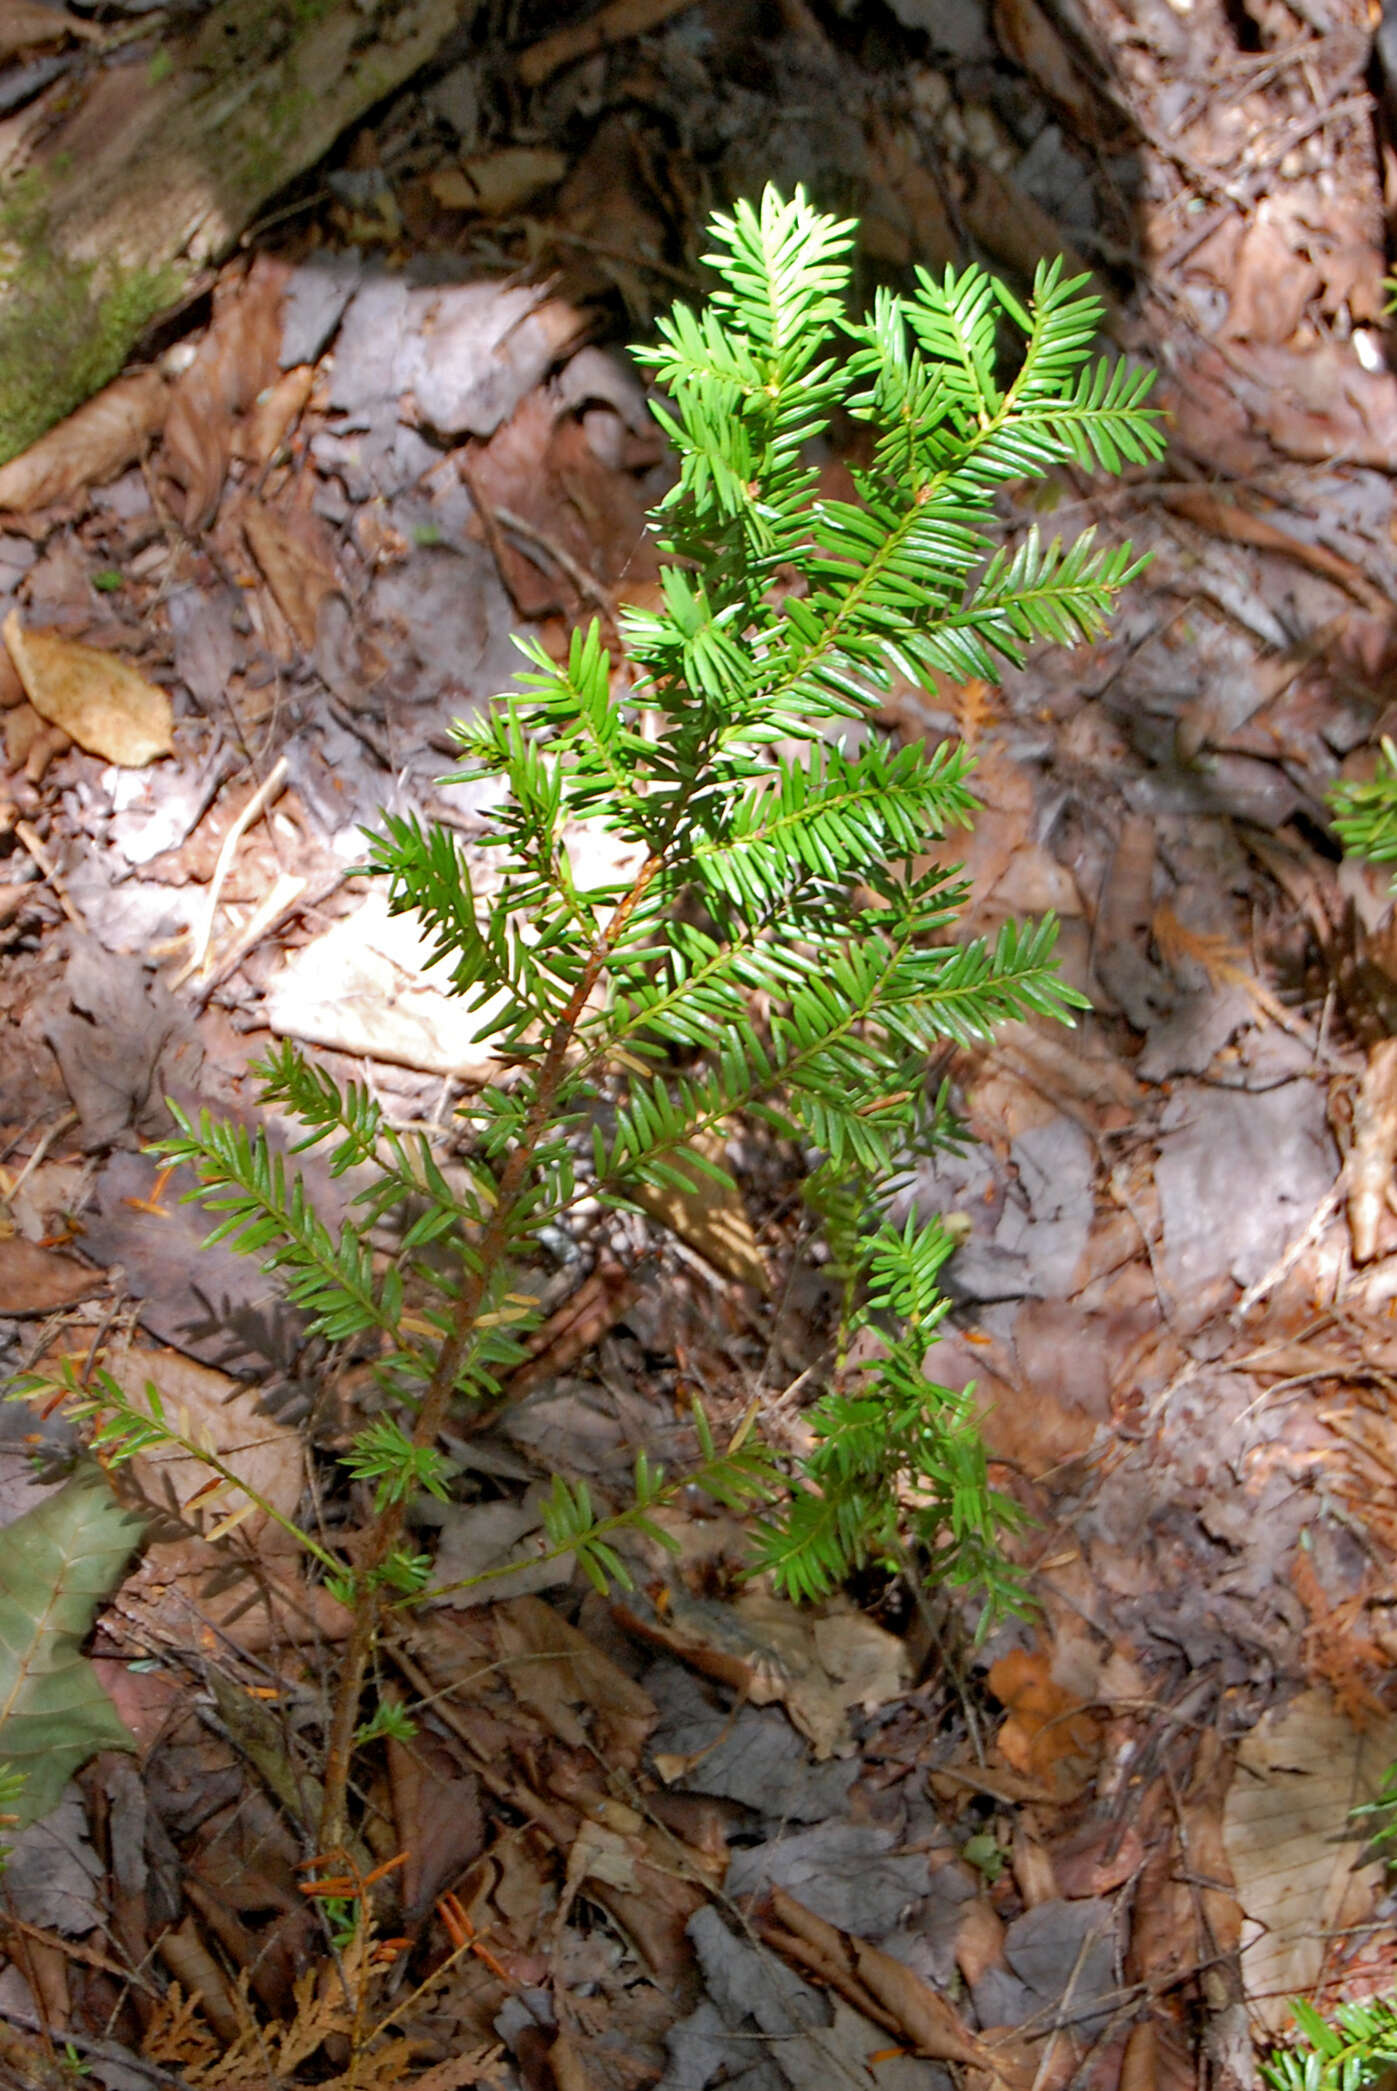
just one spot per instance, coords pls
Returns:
(1365, 815)
(896, 1457)
(737, 1478)
(390, 1719)
(383, 1453)
(60, 1561)
(1357, 2050)
(775, 953)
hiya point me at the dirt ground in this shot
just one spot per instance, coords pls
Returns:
(696, 1837)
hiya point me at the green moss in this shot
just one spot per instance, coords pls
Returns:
(66, 327)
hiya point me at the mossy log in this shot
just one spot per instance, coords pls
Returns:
(154, 169)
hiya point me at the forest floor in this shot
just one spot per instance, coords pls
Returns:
(697, 1837)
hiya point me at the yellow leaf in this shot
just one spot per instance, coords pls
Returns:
(98, 700)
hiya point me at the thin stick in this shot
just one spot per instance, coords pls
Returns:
(283, 900)
(41, 1148)
(268, 790)
(49, 869)
(1318, 1221)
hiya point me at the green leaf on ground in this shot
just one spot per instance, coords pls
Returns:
(59, 1561)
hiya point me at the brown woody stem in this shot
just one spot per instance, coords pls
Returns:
(388, 1525)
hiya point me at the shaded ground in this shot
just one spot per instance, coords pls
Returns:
(399, 432)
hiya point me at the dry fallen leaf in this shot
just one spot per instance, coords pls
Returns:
(1031, 40)
(815, 1663)
(101, 439)
(222, 1413)
(35, 1280)
(710, 1216)
(863, 1973)
(236, 359)
(294, 564)
(497, 183)
(274, 414)
(363, 987)
(1299, 1878)
(558, 1674)
(1226, 519)
(99, 700)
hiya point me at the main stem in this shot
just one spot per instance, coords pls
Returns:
(388, 1525)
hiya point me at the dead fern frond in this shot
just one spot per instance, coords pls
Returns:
(1222, 963)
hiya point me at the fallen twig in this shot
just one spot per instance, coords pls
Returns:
(616, 23)
(256, 805)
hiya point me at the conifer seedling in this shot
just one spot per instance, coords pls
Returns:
(777, 955)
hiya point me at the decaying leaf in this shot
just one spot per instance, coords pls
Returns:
(816, 1662)
(102, 438)
(1300, 1879)
(99, 700)
(294, 564)
(58, 1563)
(884, 1989)
(35, 1280)
(814, 2047)
(1368, 1173)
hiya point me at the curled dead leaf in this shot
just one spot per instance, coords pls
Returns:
(863, 1973)
(274, 414)
(99, 700)
(102, 438)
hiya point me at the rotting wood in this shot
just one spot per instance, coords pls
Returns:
(154, 172)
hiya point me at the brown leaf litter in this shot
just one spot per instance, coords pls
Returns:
(1053, 1859)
